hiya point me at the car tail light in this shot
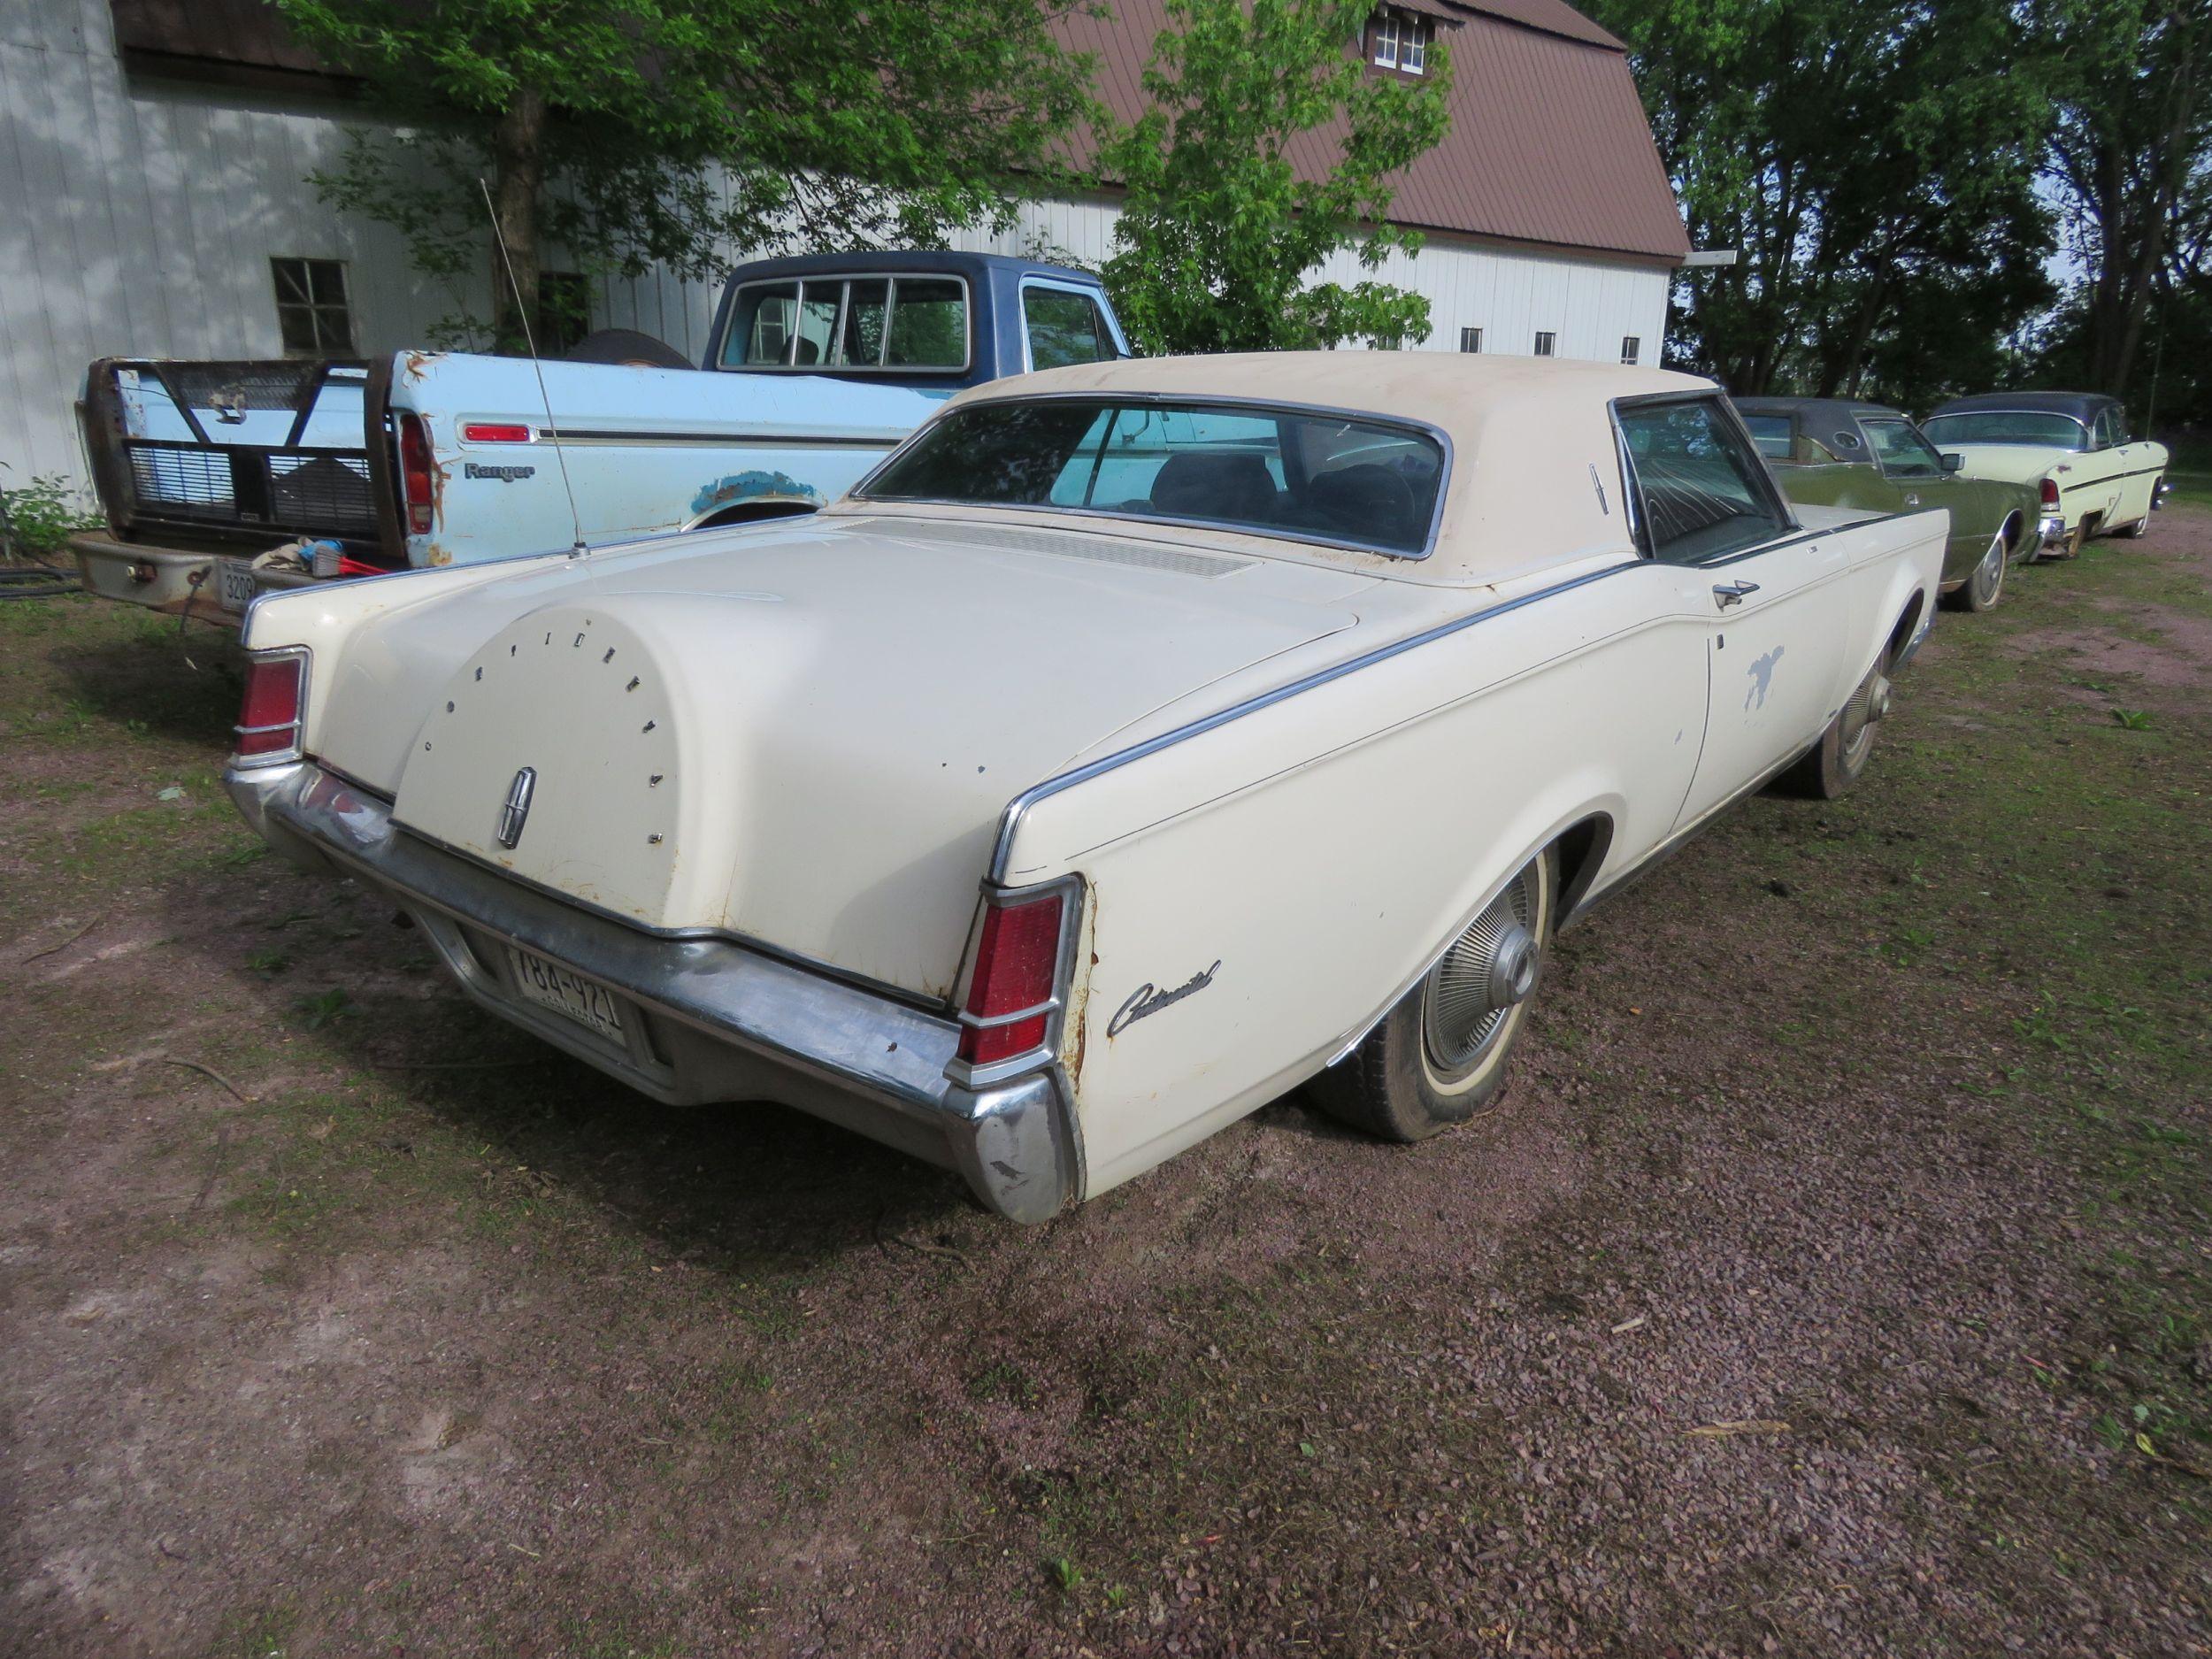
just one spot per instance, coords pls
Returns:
(269, 717)
(486, 432)
(414, 473)
(1013, 991)
(2050, 492)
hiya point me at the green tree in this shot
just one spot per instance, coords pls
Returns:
(1873, 160)
(1219, 225)
(2132, 156)
(631, 132)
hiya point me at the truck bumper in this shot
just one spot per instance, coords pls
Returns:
(701, 1018)
(178, 582)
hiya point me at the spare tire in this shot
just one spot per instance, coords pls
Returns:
(628, 348)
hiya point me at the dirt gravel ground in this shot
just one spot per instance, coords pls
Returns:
(1834, 1282)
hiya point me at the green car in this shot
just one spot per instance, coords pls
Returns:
(1836, 452)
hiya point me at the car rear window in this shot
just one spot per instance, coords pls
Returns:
(2042, 432)
(1281, 472)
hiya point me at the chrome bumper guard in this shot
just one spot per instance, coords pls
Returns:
(2050, 530)
(2158, 496)
(704, 1019)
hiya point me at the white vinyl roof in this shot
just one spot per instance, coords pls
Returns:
(1535, 475)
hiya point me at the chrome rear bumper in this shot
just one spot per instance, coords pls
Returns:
(704, 1018)
(2050, 530)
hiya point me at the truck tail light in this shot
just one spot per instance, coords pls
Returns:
(2050, 492)
(1014, 988)
(269, 717)
(414, 473)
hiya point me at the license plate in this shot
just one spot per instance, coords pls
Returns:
(233, 584)
(550, 986)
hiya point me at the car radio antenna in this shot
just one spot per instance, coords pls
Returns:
(577, 548)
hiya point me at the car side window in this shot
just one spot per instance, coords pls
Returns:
(2107, 431)
(1701, 491)
(1064, 327)
(1899, 451)
(1772, 433)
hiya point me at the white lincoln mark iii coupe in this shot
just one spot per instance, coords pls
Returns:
(1139, 741)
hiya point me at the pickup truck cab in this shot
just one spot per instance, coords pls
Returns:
(816, 367)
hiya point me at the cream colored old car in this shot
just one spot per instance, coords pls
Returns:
(1139, 742)
(2072, 448)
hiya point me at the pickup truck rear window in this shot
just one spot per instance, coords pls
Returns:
(1274, 471)
(899, 324)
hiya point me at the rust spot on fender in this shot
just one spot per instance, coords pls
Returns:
(415, 365)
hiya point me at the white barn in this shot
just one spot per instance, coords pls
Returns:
(154, 201)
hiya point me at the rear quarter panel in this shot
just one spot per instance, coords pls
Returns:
(1322, 849)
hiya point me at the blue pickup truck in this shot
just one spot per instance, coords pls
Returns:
(818, 366)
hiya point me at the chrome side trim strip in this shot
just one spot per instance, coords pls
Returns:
(1010, 819)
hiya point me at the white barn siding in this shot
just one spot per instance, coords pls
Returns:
(1508, 294)
(139, 217)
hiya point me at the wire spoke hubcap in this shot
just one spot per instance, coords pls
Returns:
(1490, 971)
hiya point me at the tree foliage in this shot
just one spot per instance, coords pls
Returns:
(1220, 227)
(1875, 162)
(2131, 155)
(626, 133)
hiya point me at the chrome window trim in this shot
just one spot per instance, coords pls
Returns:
(277, 756)
(1874, 450)
(1068, 889)
(844, 281)
(1009, 819)
(1730, 416)
(1063, 284)
(1265, 533)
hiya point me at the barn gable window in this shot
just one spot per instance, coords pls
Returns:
(312, 314)
(1401, 42)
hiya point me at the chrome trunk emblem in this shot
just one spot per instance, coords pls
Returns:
(517, 811)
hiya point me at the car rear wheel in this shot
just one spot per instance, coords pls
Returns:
(1980, 590)
(1440, 1056)
(1838, 761)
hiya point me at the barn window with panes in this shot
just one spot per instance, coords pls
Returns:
(311, 311)
(1470, 340)
(1546, 342)
(1400, 42)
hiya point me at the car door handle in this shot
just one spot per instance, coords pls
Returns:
(1912, 501)
(1727, 594)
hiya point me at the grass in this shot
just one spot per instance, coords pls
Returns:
(703, 1341)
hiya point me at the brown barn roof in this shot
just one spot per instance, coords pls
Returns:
(1548, 144)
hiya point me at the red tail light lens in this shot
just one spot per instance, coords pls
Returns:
(269, 719)
(1010, 993)
(414, 473)
(2050, 492)
(486, 431)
